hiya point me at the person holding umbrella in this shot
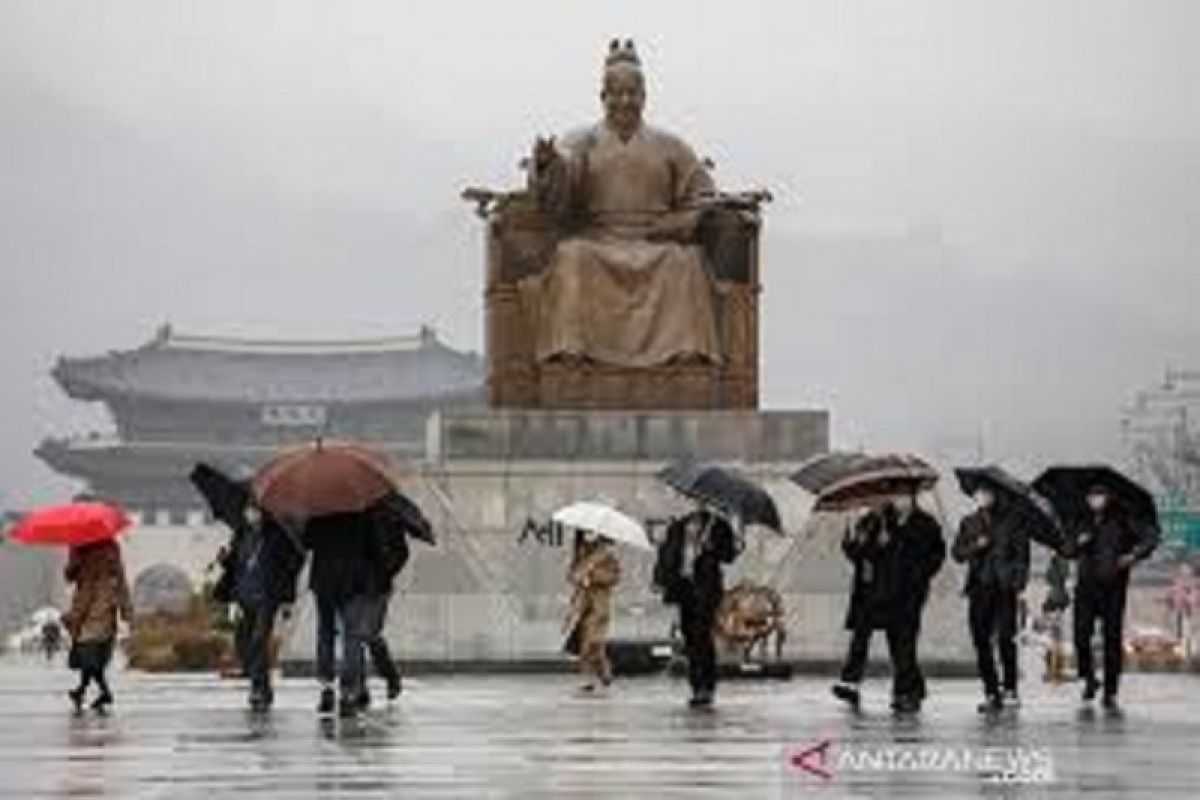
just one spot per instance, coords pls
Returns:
(689, 573)
(392, 520)
(101, 593)
(1114, 526)
(259, 570)
(593, 573)
(267, 559)
(896, 549)
(995, 546)
(689, 567)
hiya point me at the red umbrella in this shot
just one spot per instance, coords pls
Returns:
(325, 478)
(72, 524)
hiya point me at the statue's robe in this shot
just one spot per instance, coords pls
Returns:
(611, 294)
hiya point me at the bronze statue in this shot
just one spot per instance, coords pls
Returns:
(621, 278)
(628, 285)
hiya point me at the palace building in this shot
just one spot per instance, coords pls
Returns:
(179, 399)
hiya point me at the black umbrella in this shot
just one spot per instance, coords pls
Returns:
(1067, 489)
(1042, 523)
(227, 498)
(726, 490)
(397, 510)
(843, 481)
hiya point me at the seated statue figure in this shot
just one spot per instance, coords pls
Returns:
(627, 285)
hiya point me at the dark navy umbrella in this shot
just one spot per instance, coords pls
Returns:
(727, 491)
(228, 498)
(1066, 487)
(1041, 521)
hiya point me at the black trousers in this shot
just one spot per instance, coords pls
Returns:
(907, 679)
(992, 615)
(1106, 603)
(696, 620)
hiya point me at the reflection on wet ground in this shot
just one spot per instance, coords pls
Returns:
(530, 737)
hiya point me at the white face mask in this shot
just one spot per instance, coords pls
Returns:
(984, 498)
(903, 504)
(1097, 501)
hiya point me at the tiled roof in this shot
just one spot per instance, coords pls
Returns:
(190, 368)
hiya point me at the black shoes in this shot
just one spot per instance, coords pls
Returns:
(993, 704)
(328, 702)
(701, 700)
(1110, 702)
(906, 704)
(76, 696)
(350, 707)
(261, 700)
(394, 687)
(101, 703)
(848, 693)
(1090, 687)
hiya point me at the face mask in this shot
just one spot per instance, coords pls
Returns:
(903, 504)
(985, 499)
(1097, 502)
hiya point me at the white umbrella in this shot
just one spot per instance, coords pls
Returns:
(605, 521)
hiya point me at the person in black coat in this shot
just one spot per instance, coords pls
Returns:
(264, 560)
(1107, 543)
(356, 557)
(689, 573)
(896, 551)
(994, 543)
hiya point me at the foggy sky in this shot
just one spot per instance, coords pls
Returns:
(984, 227)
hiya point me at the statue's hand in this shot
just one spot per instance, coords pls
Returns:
(545, 153)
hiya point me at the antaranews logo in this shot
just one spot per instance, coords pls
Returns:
(825, 759)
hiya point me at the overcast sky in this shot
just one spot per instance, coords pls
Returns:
(985, 223)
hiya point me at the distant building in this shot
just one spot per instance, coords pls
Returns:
(181, 399)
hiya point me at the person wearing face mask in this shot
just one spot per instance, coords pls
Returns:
(1107, 543)
(994, 544)
(688, 572)
(896, 550)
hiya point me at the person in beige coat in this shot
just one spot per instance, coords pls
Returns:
(101, 596)
(593, 573)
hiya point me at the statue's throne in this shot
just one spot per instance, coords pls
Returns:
(520, 240)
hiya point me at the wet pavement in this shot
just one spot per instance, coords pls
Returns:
(533, 737)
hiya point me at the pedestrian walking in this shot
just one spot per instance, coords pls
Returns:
(593, 573)
(689, 573)
(896, 550)
(351, 578)
(1107, 543)
(100, 597)
(266, 561)
(994, 543)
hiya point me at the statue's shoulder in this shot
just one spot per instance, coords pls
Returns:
(671, 143)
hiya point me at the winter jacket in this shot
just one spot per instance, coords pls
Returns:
(101, 592)
(894, 562)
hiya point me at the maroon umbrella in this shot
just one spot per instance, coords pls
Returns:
(843, 481)
(324, 478)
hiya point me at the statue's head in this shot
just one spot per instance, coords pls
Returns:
(624, 90)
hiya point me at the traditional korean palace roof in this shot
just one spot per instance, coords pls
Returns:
(175, 367)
